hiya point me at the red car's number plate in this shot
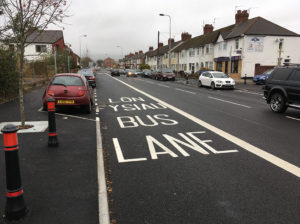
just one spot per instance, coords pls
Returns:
(65, 102)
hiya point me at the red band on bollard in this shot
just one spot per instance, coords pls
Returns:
(14, 194)
(51, 106)
(10, 139)
(52, 134)
(11, 148)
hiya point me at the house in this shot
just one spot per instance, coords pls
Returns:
(109, 62)
(43, 43)
(252, 44)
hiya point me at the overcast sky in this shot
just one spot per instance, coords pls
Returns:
(133, 24)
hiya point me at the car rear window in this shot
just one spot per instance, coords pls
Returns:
(281, 73)
(67, 81)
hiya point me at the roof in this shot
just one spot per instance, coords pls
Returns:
(162, 50)
(201, 40)
(254, 26)
(46, 36)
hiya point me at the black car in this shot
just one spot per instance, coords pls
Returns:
(282, 89)
(89, 75)
(115, 72)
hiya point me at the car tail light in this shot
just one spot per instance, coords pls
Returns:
(80, 93)
(92, 78)
(50, 93)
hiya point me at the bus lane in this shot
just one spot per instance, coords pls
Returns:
(164, 168)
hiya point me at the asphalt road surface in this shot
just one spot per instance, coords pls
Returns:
(178, 154)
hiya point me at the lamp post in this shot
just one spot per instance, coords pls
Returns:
(161, 14)
(121, 50)
(80, 42)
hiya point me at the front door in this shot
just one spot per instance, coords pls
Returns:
(226, 67)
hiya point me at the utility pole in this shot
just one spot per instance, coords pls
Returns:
(280, 51)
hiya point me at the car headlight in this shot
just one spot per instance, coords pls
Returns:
(129, 73)
(218, 81)
(263, 78)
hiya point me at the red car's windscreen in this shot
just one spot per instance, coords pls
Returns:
(67, 81)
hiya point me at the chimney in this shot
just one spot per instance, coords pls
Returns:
(185, 36)
(241, 16)
(140, 52)
(208, 28)
(160, 45)
(151, 48)
(172, 41)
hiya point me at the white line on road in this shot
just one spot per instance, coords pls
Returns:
(228, 102)
(293, 118)
(102, 192)
(67, 115)
(163, 85)
(182, 90)
(97, 109)
(246, 91)
(295, 170)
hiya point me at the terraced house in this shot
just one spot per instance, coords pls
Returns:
(241, 49)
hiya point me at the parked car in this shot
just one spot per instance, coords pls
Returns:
(89, 75)
(164, 74)
(121, 71)
(147, 73)
(115, 72)
(139, 72)
(69, 90)
(131, 73)
(261, 79)
(282, 89)
(216, 79)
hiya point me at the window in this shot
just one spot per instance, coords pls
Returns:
(211, 48)
(182, 54)
(220, 47)
(219, 66)
(202, 65)
(225, 46)
(211, 64)
(202, 50)
(67, 80)
(40, 48)
(172, 55)
(191, 66)
(206, 49)
(234, 66)
(197, 51)
(237, 44)
(192, 52)
(281, 73)
(295, 76)
(206, 64)
(197, 66)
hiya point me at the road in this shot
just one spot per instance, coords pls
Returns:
(177, 154)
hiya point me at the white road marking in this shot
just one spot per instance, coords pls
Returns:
(96, 104)
(163, 85)
(228, 102)
(96, 99)
(102, 192)
(293, 169)
(97, 109)
(73, 116)
(182, 90)
(246, 91)
(293, 118)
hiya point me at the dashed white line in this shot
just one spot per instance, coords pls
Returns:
(293, 169)
(246, 91)
(163, 85)
(97, 109)
(293, 118)
(182, 90)
(226, 101)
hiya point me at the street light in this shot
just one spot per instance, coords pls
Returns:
(161, 14)
(80, 42)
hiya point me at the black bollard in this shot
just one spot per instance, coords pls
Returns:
(15, 206)
(245, 79)
(52, 136)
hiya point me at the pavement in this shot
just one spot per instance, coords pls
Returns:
(60, 184)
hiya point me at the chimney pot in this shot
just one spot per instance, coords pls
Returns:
(241, 16)
(208, 28)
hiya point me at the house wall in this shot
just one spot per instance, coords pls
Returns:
(31, 54)
(270, 53)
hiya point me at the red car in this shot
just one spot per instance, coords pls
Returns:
(164, 74)
(69, 90)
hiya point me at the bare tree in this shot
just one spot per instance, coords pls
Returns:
(21, 18)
